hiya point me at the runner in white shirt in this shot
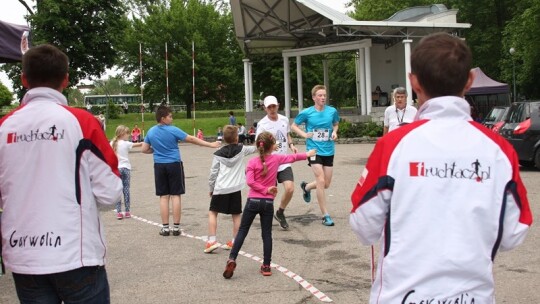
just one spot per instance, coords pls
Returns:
(278, 125)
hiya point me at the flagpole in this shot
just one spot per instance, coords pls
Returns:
(167, 72)
(193, 79)
(142, 88)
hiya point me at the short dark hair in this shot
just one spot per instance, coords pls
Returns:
(45, 66)
(441, 63)
(162, 111)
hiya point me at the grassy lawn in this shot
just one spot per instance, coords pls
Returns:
(209, 121)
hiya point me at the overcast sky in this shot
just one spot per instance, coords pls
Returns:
(13, 11)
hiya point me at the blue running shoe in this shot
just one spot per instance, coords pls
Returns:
(305, 193)
(327, 220)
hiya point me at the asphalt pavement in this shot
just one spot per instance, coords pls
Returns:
(312, 263)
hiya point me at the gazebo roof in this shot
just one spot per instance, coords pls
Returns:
(271, 26)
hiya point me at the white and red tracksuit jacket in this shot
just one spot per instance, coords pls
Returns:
(56, 167)
(442, 195)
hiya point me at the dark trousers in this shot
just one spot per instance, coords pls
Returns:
(265, 209)
(82, 285)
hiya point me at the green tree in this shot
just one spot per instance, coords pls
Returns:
(74, 97)
(218, 68)
(86, 30)
(515, 23)
(523, 34)
(114, 85)
(5, 96)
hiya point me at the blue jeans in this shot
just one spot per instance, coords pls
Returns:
(125, 174)
(265, 209)
(82, 285)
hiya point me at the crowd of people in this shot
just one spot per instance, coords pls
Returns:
(418, 176)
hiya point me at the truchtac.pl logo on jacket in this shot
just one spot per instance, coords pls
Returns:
(35, 135)
(473, 171)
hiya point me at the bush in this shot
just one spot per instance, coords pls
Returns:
(351, 130)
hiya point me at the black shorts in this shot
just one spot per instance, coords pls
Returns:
(325, 161)
(230, 203)
(169, 179)
(285, 175)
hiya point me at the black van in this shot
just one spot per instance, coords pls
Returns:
(522, 130)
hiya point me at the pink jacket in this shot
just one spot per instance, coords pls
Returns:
(259, 184)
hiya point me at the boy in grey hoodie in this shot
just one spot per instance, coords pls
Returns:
(226, 180)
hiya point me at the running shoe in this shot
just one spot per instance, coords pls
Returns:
(228, 246)
(176, 231)
(266, 270)
(305, 193)
(127, 214)
(164, 231)
(327, 220)
(211, 246)
(229, 269)
(119, 215)
(281, 220)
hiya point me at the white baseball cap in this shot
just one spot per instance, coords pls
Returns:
(270, 100)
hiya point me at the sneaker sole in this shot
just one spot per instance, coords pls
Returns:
(286, 226)
(211, 248)
(305, 194)
(266, 274)
(229, 270)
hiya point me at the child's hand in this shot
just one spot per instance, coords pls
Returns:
(210, 193)
(311, 153)
(272, 190)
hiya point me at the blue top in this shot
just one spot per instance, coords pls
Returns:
(232, 120)
(164, 141)
(321, 124)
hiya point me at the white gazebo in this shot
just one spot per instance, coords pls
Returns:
(297, 28)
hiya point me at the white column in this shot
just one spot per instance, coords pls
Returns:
(299, 83)
(357, 79)
(246, 83)
(326, 80)
(250, 108)
(367, 63)
(363, 91)
(287, 82)
(407, 45)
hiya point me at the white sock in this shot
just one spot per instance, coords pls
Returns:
(211, 238)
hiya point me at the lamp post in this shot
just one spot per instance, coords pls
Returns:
(512, 51)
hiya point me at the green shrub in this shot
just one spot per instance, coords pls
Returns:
(351, 130)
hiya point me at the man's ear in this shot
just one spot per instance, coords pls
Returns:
(415, 84)
(65, 82)
(24, 81)
(469, 83)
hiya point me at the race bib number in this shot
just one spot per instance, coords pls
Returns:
(321, 134)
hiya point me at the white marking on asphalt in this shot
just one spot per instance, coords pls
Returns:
(305, 284)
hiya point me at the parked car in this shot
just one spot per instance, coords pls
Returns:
(496, 117)
(522, 130)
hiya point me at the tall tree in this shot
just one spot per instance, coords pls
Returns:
(5, 95)
(179, 23)
(86, 30)
(523, 34)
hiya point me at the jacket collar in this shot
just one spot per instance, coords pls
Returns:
(452, 107)
(44, 93)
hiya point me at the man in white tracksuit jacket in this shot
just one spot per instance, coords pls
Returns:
(443, 194)
(56, 169)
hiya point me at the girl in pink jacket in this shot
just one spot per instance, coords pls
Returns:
(261, 175)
